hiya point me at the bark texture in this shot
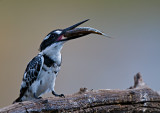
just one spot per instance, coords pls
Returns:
(136, 99)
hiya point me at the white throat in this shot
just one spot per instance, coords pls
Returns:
(53, 51)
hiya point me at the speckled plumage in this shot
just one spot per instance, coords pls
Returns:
(41, 72)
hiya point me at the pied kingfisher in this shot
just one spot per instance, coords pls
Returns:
(41, 72)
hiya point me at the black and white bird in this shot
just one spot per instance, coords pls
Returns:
(41, 72)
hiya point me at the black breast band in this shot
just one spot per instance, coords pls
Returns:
(48, 61)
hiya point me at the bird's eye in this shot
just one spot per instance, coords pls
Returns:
(54, 35)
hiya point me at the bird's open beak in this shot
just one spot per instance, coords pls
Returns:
(72, 32)
(74, 26)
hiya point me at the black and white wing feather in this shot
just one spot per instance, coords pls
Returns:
(31, 74)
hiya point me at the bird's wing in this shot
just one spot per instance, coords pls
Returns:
(31, 73)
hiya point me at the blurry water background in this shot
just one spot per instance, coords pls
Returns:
(94, 61)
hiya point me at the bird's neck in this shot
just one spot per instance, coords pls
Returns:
(53, 51)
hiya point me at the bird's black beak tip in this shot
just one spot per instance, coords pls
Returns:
(75, 25)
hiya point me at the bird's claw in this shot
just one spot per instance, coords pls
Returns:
(62, 95)
(36, 96)
(57, 95)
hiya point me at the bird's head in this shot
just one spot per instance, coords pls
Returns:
(59, 36)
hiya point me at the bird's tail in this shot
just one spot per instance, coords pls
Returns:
(17, 100)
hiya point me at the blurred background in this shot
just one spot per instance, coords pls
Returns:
(94, 61)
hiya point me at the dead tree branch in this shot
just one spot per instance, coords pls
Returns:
(138, 98)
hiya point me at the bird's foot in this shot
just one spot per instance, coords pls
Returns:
(58, 95)
(36, 96)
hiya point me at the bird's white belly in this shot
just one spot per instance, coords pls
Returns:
(45, 82)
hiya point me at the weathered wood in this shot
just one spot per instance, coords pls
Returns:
(138, 98)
